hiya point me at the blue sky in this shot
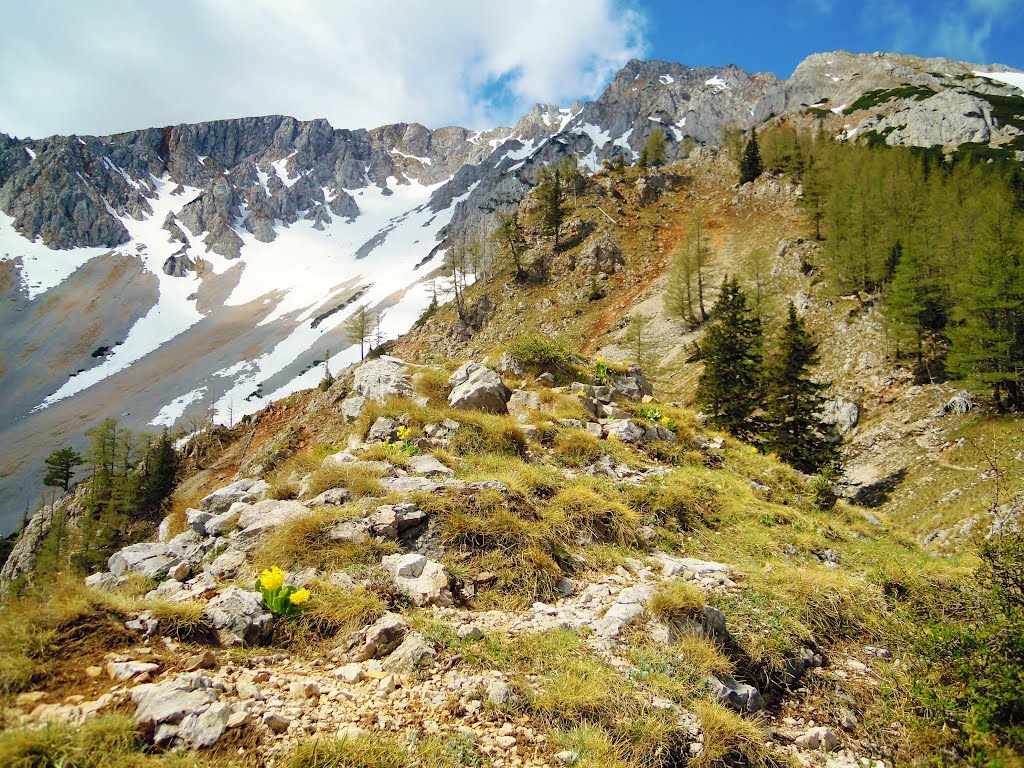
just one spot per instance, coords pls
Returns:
(775, 37)
(105, 66)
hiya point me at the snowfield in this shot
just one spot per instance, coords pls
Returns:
(304, 274)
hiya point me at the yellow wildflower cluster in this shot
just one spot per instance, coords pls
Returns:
(299, 596)
(404, 433)
(272, 578)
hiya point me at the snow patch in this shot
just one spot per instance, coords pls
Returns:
(173, 411)
(839, 110)
(175, 310)
(424, 160)
(1016, 79)
(598, 136)
(717, 83)
(666, 79)
(41, 267)
(281, 171)
(31, 154)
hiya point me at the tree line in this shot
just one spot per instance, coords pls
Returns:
(937, 241)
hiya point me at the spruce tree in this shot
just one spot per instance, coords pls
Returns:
(750, 165)
(793, 401)
(729, 389)
(162, 462)
(552, 201)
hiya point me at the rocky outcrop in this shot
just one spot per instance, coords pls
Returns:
(476, 387)
(382, 378)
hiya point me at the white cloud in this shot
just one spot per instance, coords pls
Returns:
(963, 32)
(107, 66)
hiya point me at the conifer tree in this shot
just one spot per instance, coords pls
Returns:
(358, 327)
(162, 462)
(678, 298)
(60, 468)
(793, 401)
(552, 201)
(652, 154)
(510, 234)
(750, 165)
(988, 338)
(729, 389)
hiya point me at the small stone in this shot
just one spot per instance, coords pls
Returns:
(506, 742)
(126, 670)
(204, 660)
(350, 673)
(469, 632)
(238, 719)
(30, 699)
(275, 722)
(311, 690)
(567, 757)
(499, 693)
(93, 671)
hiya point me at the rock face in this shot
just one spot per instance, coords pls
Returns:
(476, 387)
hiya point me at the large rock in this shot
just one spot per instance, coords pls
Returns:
(247, 489)
(182, 711)
(477, 387)
(238, 617)
(152, 560)
(422, 581)
(264, 516)
(392, 519)
(414, 652)
(632, 386)
(428, 466)
(841, 414)
(378, 639)
(523, 402)
(382, 378)
(624, 430)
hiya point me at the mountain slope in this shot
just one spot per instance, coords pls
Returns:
(210, 267)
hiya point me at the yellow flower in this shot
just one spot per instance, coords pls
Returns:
(272, 578)
(600, 359)
(299, 597)
(612, 437)
(665, 419)
(404, 432)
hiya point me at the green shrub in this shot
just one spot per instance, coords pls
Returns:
(540, 352)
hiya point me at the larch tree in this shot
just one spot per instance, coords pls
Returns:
(358, 327)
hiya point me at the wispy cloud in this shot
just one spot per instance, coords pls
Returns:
(107, 66)
(963, 32)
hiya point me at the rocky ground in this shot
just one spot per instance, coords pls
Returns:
(407, 671)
